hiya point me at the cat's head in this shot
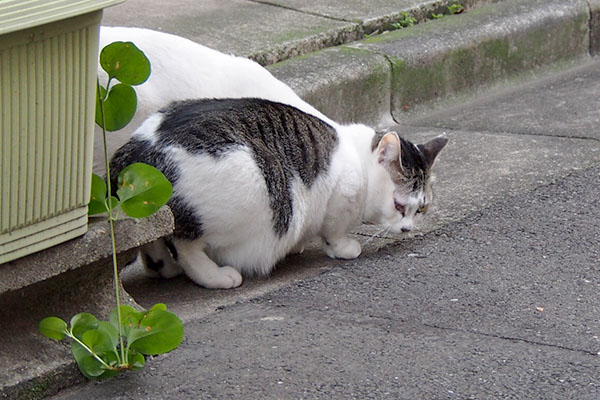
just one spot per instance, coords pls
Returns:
(400, 181)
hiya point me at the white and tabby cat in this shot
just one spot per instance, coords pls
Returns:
(255, 179)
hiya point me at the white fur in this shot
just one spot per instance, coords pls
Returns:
(182, 69)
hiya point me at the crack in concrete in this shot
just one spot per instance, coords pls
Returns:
(507, 134)
(513, 339)
(392, 77)
(269, 3)
(349, 317)
(590, 28)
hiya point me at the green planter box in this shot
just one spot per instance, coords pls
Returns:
(48, 63)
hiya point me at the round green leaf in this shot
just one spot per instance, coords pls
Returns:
(53, 328)
(119, 107)
(97, 340)
(130, 318)
(114, 202)
(159, 332)
(97, 203)
(136, 360)
(112, 334)
(159, 306)
(90, 367)
(124, 61)
(143, 190)
(83, 322)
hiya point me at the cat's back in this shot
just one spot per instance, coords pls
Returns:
(181, 68)
(273, 132)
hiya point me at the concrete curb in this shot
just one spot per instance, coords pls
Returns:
(441, 58)
(352, 31)
(355, 88)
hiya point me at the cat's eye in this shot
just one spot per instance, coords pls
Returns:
(399, 207)
(422, 209)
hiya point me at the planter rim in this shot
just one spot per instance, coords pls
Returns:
(16, 15)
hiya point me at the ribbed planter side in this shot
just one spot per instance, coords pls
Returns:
(47, 105)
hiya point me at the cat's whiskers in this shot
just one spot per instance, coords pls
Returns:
(385, 228)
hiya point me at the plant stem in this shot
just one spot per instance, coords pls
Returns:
(111, 222)
(116, 279)
(92, 352)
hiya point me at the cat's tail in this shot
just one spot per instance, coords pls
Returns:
(159, 259)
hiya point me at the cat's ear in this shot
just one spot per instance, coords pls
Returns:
(432, 148)
(388, 149)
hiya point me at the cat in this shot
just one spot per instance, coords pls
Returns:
(182, 69)
(254, 179)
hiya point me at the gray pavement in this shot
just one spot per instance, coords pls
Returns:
(497, 297)
(454, 314)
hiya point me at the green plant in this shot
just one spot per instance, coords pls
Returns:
(456, 9)
(436, 16)
(103, 349)
(406, 20)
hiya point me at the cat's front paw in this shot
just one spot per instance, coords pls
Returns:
(222, 278)
(346, 248)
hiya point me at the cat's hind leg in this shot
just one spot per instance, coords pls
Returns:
(204, 271)
(159, 260)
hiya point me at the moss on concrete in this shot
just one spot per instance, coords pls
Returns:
(427, 79)
(363, 95)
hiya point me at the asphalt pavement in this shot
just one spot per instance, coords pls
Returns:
(497, 296)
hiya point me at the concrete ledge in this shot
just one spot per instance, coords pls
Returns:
(64, 280)
(93, 246)
(433, 60)
(438, 59)
(346, 84)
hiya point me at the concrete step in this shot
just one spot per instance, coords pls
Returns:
(269, 31)
(390, 76)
